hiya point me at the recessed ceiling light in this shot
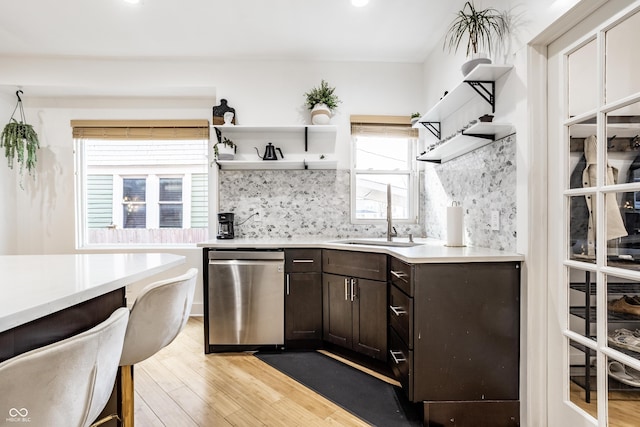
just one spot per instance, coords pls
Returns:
(359, 3)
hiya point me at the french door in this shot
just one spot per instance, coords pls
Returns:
(594, 220)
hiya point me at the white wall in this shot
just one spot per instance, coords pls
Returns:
(263, 93)
(442, 72)
(8, 236)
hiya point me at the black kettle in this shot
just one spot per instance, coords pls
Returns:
(270, 152)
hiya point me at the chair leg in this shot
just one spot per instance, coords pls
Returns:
(127, 393)
(106, 420)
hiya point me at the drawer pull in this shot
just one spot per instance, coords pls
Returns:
(398, 311)
(399, 274)
(299, 261)
(397, 356)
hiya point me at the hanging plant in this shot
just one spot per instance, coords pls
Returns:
(20, 141)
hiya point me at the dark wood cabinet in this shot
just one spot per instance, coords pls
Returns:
(303, 298)
(338, 310)
(454, 332)
(354, 301)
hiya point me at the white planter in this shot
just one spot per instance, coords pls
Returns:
(320, 114)
(225, 152)
(476, 58)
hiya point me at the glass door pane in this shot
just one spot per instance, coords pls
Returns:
(622, 59)
(582, 69)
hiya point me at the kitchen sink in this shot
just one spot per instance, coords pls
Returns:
(377, 243)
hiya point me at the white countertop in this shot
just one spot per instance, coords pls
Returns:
(33, 286)
(428, 250)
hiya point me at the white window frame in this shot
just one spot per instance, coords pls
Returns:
(412, 191)
(155, 172)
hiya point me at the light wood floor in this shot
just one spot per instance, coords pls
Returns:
(181, 386)
(624, 407)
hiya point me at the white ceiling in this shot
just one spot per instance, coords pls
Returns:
(384, 30)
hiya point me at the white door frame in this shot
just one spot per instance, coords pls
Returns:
(534, 393)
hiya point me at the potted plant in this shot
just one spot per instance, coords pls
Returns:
(480, 28)
(321, 101)
(414, 117)
(225, 149)
(20, 141)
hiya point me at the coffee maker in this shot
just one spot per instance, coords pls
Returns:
(225, 225)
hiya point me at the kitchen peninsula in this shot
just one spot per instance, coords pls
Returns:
(35, 286)
(444, 320)
(47, 298)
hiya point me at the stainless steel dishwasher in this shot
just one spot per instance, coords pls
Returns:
(245, 299)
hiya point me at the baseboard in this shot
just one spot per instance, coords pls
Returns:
(197, 309)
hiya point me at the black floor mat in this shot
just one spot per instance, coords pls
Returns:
(372, 400)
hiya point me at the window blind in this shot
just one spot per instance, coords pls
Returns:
(382, 126)
(141, 129)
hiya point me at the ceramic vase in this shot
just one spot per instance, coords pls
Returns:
(225, 152)
(476, 59)
(320, 114)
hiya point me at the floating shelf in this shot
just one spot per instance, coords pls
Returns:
(272, 129)
(470, 139)
(298, 143)
(474, 84)
(276, 164)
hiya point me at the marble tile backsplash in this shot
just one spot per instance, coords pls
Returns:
(295, 203)
(483, 181)
(315, 203)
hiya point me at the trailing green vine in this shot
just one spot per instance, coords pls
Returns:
(20, 141)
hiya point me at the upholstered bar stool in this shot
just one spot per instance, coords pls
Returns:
(158, 315)
(67, 383)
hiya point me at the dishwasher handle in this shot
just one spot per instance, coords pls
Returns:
(246, 255)
(246, 263)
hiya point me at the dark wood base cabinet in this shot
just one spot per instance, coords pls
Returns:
(303, 298)
(454, 340)
(354, 294)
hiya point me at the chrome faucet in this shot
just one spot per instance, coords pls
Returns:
(391, 230)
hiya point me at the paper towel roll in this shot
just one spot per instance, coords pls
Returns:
(455, 226)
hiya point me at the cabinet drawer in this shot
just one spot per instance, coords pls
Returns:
(401, 315)
(303, 260)
(401, 275)
(401, 363)
(355, 264)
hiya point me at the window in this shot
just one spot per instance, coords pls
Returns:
(170, 203)
(141, 182)
(384, 152)
(134, 207)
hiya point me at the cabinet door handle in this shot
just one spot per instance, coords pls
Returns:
(399, 274)
(354, 285)
(397, 356)
(346, 289)
(308, 261)
(397, 310)
(287, 284)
